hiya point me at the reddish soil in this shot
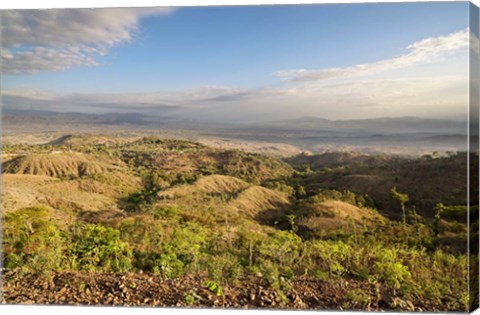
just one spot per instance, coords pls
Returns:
(126, 289)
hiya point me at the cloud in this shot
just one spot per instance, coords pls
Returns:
(438, 91)
(48, 59)
(432, 97)
(56, 40)
(436, 96)
(424, 51)
(151, 102)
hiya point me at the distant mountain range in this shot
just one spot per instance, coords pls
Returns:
(374, 126)
(38, 116)
(304, 130)
(306, 133)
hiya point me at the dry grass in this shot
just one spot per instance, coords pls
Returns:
(337, 215)
(235, 196)
(21, 191)
(58, 165)
(214, 184)
(101, 217)
(255, 200)
(343, 210)
(8, 157)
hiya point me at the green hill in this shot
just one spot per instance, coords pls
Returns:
(176, 209)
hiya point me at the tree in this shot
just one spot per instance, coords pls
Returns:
(291, 220)
(439, 207)
(401, 199)
(300, 192)
(31, 240)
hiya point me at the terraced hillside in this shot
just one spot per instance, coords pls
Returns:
(195, 223)
(58, 165)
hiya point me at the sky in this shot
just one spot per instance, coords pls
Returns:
(241, 64)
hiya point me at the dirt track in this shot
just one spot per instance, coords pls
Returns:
(123, 289)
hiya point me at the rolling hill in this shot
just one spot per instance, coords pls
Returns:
(144, 208)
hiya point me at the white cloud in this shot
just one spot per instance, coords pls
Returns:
(56, 40)
(48, 59)
(436, 96)
(432, 97)
(424, 51)
(29, 93)
(151, 102)
(427, 90)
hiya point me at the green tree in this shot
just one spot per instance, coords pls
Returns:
(439, 207)
(300, 192)
(32, 241)
(401, 199)
(291, 221)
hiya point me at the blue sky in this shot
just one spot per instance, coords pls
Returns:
(231, 51)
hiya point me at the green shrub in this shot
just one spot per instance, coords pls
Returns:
(169, 265)
(100, 248)
(357, 299)
(213, 287)
(187, 242)
(388, 268)
(141, 232)
(330, 257)
(269, 271)
(281, 186)
(223, 268)
(346, 196)
(166, 212)
(32, 241)
(281, 247)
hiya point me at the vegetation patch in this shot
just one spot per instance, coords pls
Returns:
(111, 221)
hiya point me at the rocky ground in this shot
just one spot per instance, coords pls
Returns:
(125, 289)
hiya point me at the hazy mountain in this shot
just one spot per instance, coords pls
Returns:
(385, 125)
(401, 134)
(373, 127)
(38, 116)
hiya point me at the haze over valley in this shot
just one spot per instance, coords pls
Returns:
(403, 135)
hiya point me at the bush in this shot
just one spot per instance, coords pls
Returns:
(388, 268)
(223, 268)
(330, 257)
(187, 242)
(345, 196)
(169, 265)
(281, 186)
(143, 233)
(357, 299)
(99, 248)
(32, 241)
(167, 212)
(281, 247)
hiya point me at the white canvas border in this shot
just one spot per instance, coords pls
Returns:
(103, 310)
